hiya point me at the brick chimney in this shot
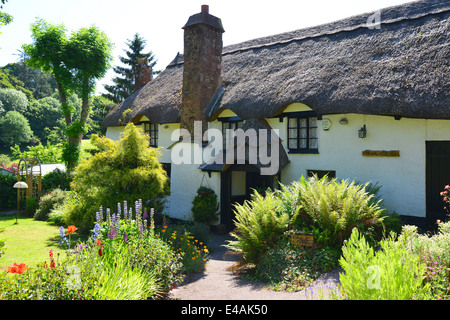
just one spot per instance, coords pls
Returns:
(202, 67)
(143, 75)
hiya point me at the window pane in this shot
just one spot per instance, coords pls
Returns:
(313, 143)
(313, 133)
(303, 143)
(293, 144)
(292, 122)
(303, 123)
(303, 133)
(313, 122)
(293, 133)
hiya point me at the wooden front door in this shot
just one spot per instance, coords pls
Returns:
(437, 177)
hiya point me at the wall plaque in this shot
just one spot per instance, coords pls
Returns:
(381, 153)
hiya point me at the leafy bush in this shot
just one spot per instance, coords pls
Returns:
(8, 197)
(332, 208)
(392, 273)
(259, 224)
(49, 153)
(204, 206)
(124, 169)
(14, 128)
(434, 252)
(49, 202)
(286, 265)
(57, 179)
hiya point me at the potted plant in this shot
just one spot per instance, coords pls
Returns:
(205, 205)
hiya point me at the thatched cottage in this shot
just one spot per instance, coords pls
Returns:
(364, 98)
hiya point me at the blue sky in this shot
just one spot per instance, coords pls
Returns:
(160, 22)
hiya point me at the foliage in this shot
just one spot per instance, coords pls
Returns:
(2, 247)
(204, 206)
(57, 179)
(434, 252)
(48, 202)
(194, 253)
(332, 208)
(392, 273)
(8, 197)
(44, 116)
(285, 265)
(49, 153)
(136, 232)
(76, 62)
(124, 84)
(124, 169)
(259, 223)
(14, 128)
(13, 100)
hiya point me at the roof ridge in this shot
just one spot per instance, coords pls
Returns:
(414, 12)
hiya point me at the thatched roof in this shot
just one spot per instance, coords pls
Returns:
(398, 69)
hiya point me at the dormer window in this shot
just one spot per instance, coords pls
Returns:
(303, 135)
(152, 130)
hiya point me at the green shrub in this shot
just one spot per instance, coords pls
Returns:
(293, 267)
(334, 207)
(259, 224)
(124, 169)
(392, 273)
(8, 198)
(57, 179)
(49, 202)
(204, 206)
(435, 253)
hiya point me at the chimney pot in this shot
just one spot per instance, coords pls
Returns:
(205, 8)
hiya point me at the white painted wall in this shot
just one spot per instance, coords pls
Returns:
(402, 178)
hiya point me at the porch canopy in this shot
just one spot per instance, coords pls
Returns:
(252, 148)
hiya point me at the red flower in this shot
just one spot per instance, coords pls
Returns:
(17, 268)
(100, 253)
(52, 264)
(71, 229)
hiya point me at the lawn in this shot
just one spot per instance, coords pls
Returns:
(29, 241)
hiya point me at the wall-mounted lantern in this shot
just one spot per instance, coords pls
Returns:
(362, 133)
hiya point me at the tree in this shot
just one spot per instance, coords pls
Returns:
(5, 18)
(41, 84)
(76, 62)
(13, 100)
(14, 129)
(44, 116)
(124, 84)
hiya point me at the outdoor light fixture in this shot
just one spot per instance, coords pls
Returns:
(19, 185)
(343, 121)
(362, 133)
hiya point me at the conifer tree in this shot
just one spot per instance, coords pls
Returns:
(124, 83)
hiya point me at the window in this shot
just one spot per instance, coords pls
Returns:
(232, 123)
(152, 130)
(303, 133)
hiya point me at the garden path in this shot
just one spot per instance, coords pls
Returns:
(218, 283)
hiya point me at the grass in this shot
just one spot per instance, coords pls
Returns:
(29, 241)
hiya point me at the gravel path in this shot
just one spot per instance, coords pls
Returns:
(217, 283)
